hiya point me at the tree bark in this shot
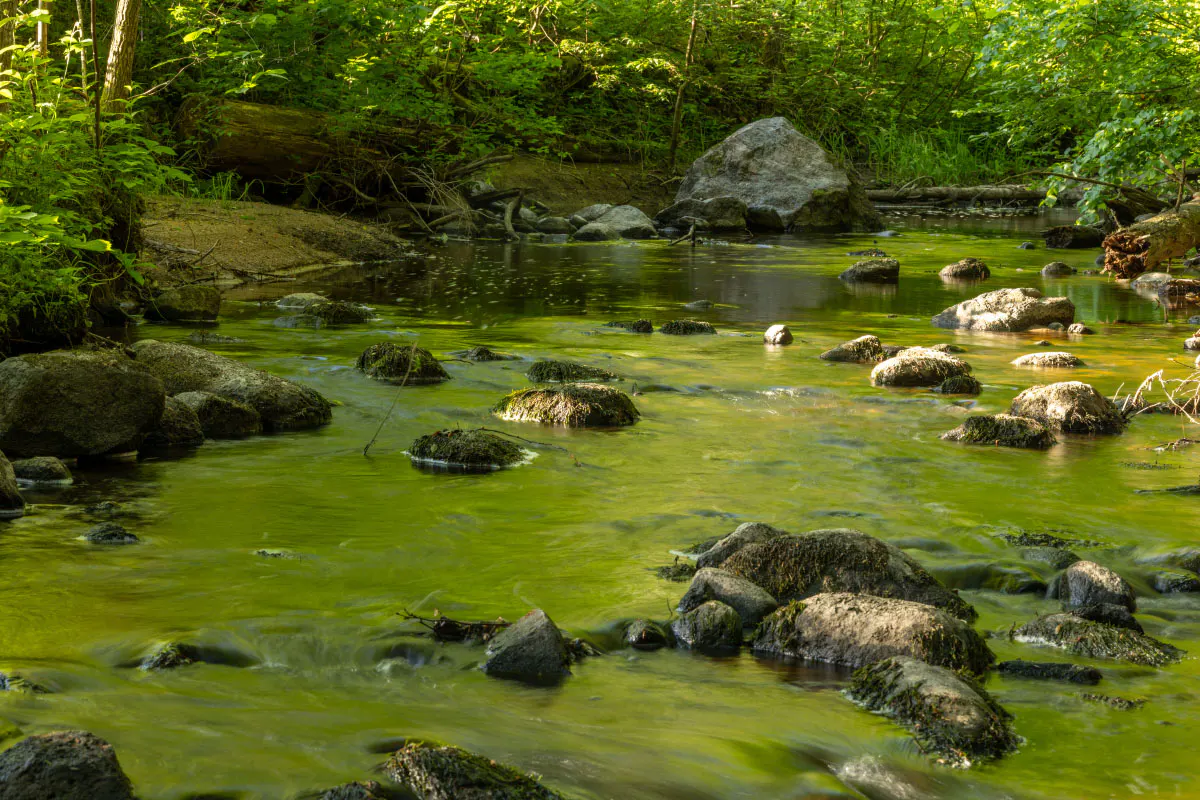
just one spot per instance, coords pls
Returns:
(1144, 245)
(43, 27)
(119, 73)
(677, 116)
(8, 32)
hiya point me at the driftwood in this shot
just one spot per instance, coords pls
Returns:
(1144, 245)
(452, 630)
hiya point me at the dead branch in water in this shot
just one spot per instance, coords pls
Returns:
(445, 629)
(412, 357)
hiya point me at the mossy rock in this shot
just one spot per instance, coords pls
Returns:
(566, 372)
(442, 772)
(388, 361)
(633, 326)
(646, 634)
(1051, 671)
(711, 627)
(1097, 640)
(574, 405)
(1070, 407)
(872, 270)
(338, 312)
(918, 366)
(960, 384)
(466, 449)
(1048, 360)
(949, 714)
(1003, 430)
(177, 427)
(687, 327)
(856, 351)
(481, 353)
(968, 269)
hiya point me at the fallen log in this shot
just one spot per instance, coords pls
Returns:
(957, 193)
(1144, 245)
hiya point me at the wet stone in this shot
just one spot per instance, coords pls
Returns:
(566, 372)
(436, 772)
(633, 326)
(645, 634)
(1052, 671)
(110, 533)
(65, 765)
(396, 363)
(711, 627)
(1176, 582)
(474, 449)
(42, 471)
(687, 327)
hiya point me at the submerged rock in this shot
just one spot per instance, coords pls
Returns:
(530, 650)
(282, 404)
(960, 384)
(185, 304)
(1119, 703)
(858, 629)
(177, 427)
(75, 403)
(744, 534)
(220, 417)
(471, 449)
(778, 334)
(1007, 310)
(687, 327)
(1054, 557)
(12, 505)
(863, 349)
(797, 566)
(1048, 360)
(64, 765)
(749, 600)
(918, 366)
(711, 627)
(1097, 640)
(949, 715)
(969, 269)
(872, 270)
(175, 654)
(575, 405)
(1052, 671)
(1070, 407)
(633, 326)
(566, 372)
(1002, 430)
(110, 533)
(434, 772)
(1085, 583)
(392, 362)
(41, 471)
(1166, 582)
(645, 634)
(481, 353)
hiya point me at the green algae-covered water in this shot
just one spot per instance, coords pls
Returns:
(751, 433)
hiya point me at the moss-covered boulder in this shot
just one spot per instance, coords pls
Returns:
(440, 772)
(566, 372)
(798, 566)
(531, 650)
(64, 765)
(856, 351)
(12, 505)
(744, 534)
(415, 366)
(481, 353)
(1050, 671)
(872, 270)
(749, 600)
(339, 312)
(1048, 360)
(1097, 640)
(1085, 583)
(42, 471)
(858, 629)
(574, 405)
(1007, 310)
(687, 327)
(1003, 430)
(950, 715)
(74, 403)
(968, 269)
(282, 404)
(221, 417)
(960, 384)
(185, 304)
(1070, 407)
(711, 627)
(918, 366)
(177, 427)
(472, 450)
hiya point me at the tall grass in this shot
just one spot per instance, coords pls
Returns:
(936, 157)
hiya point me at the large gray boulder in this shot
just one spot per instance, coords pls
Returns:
(951, 716)
(1086, 583)
(785, 179)
(1007, 310)
(918, 366)
(530, 650)
(749, 600)
(629, 222)
(64, 765)
(744, 534)
(859, 629)
(282, 404)
(70, 404)
(797, 566)
(717, 214)
(12, 505)
(185, 304)
(1070, 407)
(438, 772)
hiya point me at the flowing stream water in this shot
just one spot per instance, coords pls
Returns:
(753, 433)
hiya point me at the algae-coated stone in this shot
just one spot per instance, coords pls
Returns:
(1080, 329)
(1070, 407)
(530, 650)
(710, 627)
(471, 449)
(110, 533)
(357, 790)
(949, 714)
(960, 384)
(872, 270)
(392, 362)
(1048, 360)
(750, 601)
(1052, 671)
(1114, 614)
(1097, 640)
(481, 353)
(299, 300)
(918, 366)
(64, 765)
(566, 372)
(438, 772)
(863, 349)
(596, 232)
(797, 566)
(1168, 582)
(858, 629)
(574, 405)
(338, 312)
(686, 327)
(1003, 430)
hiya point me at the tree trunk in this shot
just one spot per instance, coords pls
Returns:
(677, 116)
(1144, 245)
(8, 10)
(43, 27)
(119, 73)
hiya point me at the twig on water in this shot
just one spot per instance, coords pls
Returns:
(523, 439)
(452, 630)
(412, 356)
